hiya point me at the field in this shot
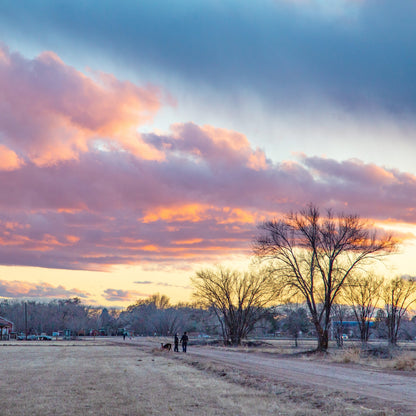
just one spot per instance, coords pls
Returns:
(112, 377)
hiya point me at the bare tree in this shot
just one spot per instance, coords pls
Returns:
(151, 315)
(158, 301)
(237, 299)
(399, 295)
(156, 315)
(312, 256)
(166, 321)
(363, 293)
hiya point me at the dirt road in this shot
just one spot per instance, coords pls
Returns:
(351, 380)
(375, 384)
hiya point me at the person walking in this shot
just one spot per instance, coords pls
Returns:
(184, 341)
(176, 343)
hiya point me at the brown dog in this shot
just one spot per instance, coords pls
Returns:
(167, 347)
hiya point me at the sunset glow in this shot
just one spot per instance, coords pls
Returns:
(125, 158)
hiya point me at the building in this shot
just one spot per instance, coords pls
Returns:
(6, 327)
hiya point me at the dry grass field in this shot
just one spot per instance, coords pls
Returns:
(101, 377)
(97, 378)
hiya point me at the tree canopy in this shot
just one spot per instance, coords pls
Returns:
(312, 256)
(237, 299)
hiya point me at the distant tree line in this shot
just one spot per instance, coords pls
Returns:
(57, 315)
(231, 323)
(150, 316)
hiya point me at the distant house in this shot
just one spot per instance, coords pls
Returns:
(6, 327)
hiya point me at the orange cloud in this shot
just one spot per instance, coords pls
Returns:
(188, 212)
(72, 239)
(237, 215)
(150, 247)
(9, 159)
(188, 242)
(200, 212)
(47, 242)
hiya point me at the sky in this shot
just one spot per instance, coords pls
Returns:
(143, 141)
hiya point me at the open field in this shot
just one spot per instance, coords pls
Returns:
(112, 377)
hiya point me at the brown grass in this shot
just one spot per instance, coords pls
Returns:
(97, 378)
(348, 356)
(102, 378)
(405, 361)
(402, 359)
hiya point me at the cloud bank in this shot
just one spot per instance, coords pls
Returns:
(82, 188)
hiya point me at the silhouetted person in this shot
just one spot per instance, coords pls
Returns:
(176, 342)
(184, 341)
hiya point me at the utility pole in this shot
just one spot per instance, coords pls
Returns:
(26, 320)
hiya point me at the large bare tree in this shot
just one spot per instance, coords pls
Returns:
(237, 299)
(312, 256)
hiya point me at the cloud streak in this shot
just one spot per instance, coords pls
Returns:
(118, 295)
(22, 289)
(148, 282)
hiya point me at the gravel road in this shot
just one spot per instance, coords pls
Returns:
(370, 383)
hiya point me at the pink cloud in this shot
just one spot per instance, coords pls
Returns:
(213, 145)
(372, 191)
(22, 289)
(112, 208)
(192, 194)
(52, 112)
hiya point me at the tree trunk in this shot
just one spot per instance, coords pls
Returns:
(391, 321)
(322, 334)
(364, 331)
(323, 339)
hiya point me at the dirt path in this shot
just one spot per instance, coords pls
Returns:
(388, 387)
(380, 385)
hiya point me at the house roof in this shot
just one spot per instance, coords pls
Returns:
(5, 323)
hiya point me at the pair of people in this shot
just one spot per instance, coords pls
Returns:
(184, 342)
